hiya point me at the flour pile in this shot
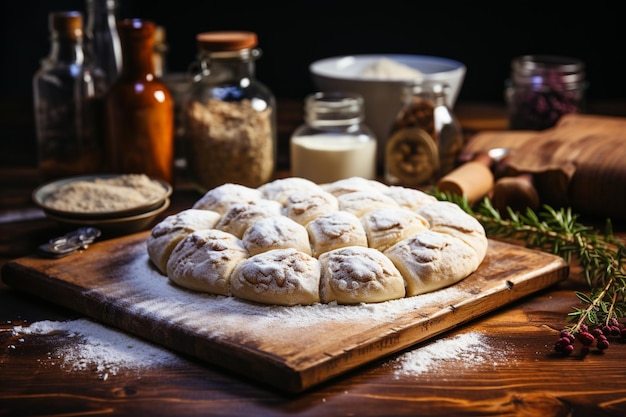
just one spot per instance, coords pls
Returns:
(466, 350)
(85, 345)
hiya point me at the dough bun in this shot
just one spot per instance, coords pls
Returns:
(276, 232)
(279, 276)
(204, 260)
(171, 230)
(385, 227)
(291, 241)
(357, 274)
(335, 230)
(431, 260)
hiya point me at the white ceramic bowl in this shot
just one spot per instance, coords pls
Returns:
(383, 97)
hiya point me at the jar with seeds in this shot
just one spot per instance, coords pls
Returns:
(228, 115)
(425, 138)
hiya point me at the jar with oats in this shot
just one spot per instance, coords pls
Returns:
(229, 116)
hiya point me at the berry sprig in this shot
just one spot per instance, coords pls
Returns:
(602, 258)
(597, 337)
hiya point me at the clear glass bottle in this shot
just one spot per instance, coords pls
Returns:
(67, 93)
(542, 88)
(139, 109)
(334, 143)
(229, 116)
(159, 54)
(425, 139)
(101, 37)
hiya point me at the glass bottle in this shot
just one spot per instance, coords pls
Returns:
(542, 88)
(229, 116)
(139, 109)
(334, 143)
(101, 37)
(67, 92)
(159, 54)
(449, 133)
(425, 139)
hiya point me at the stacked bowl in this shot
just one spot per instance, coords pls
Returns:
(115, 204)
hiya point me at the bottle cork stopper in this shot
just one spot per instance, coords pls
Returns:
(472, 180)
(66, 24)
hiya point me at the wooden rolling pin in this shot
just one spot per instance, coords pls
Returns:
(474, 179)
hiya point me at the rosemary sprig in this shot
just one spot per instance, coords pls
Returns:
(602, 256)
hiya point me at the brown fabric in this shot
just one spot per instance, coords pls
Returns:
(579, 163)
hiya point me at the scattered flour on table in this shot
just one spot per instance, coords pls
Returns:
(465, 350)
(85, 345)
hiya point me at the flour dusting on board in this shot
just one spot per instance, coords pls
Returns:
(150, 294)
(87, 346)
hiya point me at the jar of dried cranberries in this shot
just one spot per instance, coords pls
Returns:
(542, 88)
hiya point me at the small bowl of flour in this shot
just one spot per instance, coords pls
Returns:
(105, 197)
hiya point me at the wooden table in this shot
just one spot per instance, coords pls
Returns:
(510, 368)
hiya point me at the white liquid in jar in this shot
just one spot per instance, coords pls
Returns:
(329, 158)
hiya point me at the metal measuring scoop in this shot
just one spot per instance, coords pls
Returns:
(70, 242)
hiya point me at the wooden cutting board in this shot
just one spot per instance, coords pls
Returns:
(288, 348)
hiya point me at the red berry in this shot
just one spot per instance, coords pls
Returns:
(615, 331)
(602, 344)
(568, 335)
(586, 338)
(563, 345)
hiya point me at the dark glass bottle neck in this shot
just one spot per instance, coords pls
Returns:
(137, 56)
(66, 49)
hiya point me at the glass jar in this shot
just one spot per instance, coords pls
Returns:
(229, 116)
(101, 37)
(542, 88)
(67, 96)
(333, 143)
(425, 139)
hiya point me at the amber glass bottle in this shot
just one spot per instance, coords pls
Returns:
(139, 109)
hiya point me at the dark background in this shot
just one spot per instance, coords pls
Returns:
(294, 34)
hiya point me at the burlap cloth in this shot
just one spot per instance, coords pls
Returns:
(579, 163)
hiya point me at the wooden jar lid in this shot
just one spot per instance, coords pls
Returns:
(222, 41)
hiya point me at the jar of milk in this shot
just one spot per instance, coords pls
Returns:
(333, 143)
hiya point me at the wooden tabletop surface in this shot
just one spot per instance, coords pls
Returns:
(502, 364)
